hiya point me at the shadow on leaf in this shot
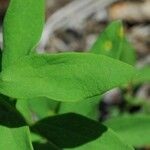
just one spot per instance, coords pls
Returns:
(69, 130)
(9, 116)
(44, 146)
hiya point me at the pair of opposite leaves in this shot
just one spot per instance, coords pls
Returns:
(62, 77)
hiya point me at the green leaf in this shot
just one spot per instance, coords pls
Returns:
(0, 60)
(143, 76)
(88, 107)
(112, 42)
(128, 54)
(23, 25)
(64, 77)
(15, 138)
(109, 140)
(9, 116)
(38, 108)
(134, 129)
(40, 143)
(22, 106)
(68, 130)
(109, 42)
(37, 138)
(43, 107)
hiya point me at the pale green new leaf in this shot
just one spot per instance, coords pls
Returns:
(128, 54)
(134, 129)
(15, 138)
(23, 25)
(64, 77)
(112, 42)
(109, 140)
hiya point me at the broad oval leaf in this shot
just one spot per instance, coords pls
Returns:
(64, 77)
(109, 140)
(111, 42)
(134, 129)
(15, 138)
(23, 25)
(68, 130)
